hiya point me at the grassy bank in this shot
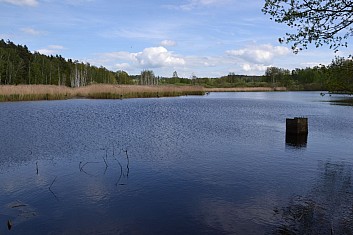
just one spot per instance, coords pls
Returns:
(50, 92)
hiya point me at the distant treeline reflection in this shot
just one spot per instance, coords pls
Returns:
(327, 209)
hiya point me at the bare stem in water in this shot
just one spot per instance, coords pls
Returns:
(51, 190)
(52, 182)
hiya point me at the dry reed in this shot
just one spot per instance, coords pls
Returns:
(106, 91)
(97, 91)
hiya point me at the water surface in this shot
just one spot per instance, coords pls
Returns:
(216, 164)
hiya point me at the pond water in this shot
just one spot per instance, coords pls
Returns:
(215, 164)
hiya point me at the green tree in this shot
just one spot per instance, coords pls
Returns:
(148, 78)
(175, 78)
(315, 21)
(277, 76)
(19, 66)
(123, 77)
(310, 78)
(340, 75)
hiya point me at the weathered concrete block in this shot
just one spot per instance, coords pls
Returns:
(297, 125)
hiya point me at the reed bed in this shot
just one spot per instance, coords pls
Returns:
(97, 91)
(34, 92)
(136, 91)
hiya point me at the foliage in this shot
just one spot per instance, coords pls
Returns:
(231, 80)
(276, 75)
(123, 77)
(315, 21)
(340, 75)
(148, 78)
(19, 66)
(336, 77)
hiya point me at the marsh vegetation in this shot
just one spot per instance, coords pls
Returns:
(98, 91)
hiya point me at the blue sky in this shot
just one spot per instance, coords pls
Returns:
(193, 37)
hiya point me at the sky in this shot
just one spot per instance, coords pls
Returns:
(202, 38)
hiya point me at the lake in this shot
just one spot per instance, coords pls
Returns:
(215, 164)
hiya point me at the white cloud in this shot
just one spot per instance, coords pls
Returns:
(31, 31)
(152, 57)
(167, 43)
(120, 55)
(51, 50)
(262, 54)
(158, 57)
(255, 68)
(31, 3)
(249, 60)
(123, 66)
(164, 62)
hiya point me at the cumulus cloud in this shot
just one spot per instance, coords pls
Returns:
(51, 50)
(263, 54)
(249, 60)
(254, 67)
(151, 57)
(31, 31)
(158, 57)
(31, 3)
(167, 43)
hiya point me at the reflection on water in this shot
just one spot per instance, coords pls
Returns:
(326, 209)
(297, 140)
(217, 164)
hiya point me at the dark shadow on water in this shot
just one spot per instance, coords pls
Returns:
(343, 100)
(328, 207)
(297, 140)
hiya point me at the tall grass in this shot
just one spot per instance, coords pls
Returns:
(34, 92)
(102, 91)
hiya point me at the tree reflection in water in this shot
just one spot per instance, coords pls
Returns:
(327, 209)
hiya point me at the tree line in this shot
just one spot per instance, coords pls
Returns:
(336, 77)
(20, 66)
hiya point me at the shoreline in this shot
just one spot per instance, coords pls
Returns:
(245, 89)
(12, 93)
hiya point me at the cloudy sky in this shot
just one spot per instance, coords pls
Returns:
(193, 37)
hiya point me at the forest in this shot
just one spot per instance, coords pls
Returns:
(18, 65)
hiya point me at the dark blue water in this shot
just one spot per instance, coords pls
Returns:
(216, 164)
